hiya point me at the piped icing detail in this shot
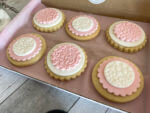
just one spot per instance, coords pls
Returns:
(132, 87)
(83, 25)
(127, 31)
(65, 57)
(117, 74)
(47, 16)
(25, 47)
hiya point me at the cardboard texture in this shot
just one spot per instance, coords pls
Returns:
(129, 9)
(96, 49)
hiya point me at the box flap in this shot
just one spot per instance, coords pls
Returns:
(129, 9)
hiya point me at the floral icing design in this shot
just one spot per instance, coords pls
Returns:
(118, 91)
(28, 56)
(65, 57)
(127, 31)
(83, 33)
(47, 16)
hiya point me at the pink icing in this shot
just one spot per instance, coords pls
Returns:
(65, 56)
(127, 31)
(47, 15)
(119, 91)
(29, 56)
(91, 31)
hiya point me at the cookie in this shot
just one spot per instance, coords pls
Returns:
(26, 49)
(66, 61)
(48, 20)
(83, 27)
(117, 79)
(126, 36)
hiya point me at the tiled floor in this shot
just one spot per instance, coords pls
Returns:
(21, 95)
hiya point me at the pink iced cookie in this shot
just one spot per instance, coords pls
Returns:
(66, 61)
(126, 36)
(127, 31)
(25, 47)
(48, 20)
(130, 88)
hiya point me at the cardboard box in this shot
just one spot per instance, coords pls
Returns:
(129, 9)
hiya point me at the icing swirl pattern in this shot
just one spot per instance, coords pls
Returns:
(83, 25)
(127, 31)
(47, 16)
(65, 57)
(115, 90)
(21, 50)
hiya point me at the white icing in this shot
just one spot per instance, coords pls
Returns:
(119, 74)
(68, 72)
(4, 19)
(24, 46)
(82, 24)
(96, 1)
(57, 21)
(123, 43)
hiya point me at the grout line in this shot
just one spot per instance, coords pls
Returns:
(73, 104)
(10, 85)
(14, 91)
(107, 111)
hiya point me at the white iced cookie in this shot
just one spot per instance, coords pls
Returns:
(117, 79)
(119, 74)
(4, 19)
(26, 49)
(83, 27)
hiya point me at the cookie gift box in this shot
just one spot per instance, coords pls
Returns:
(96, 49)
